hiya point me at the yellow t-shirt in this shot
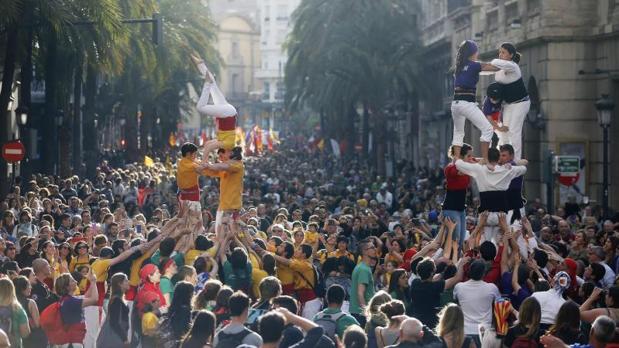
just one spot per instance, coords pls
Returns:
(231, 186)
(321, 255)
(257, 274)
(191, 255)
(150, 324)
(285, 274)
(100, 268)
(305, 268)
(186, 176)
(338, 254)
(75, 262)
(136, 265)
(310, 237)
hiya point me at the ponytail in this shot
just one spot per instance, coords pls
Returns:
(466, 49)
(509, 47)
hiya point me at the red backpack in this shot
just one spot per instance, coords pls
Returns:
(57, 332)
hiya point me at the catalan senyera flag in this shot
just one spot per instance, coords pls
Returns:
(172, 139)
(240, 137)
(148, 161)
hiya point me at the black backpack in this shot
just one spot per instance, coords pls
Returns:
(225, 340)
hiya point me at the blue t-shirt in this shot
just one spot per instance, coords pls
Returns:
(469, 75)
(490, 108)
(71, 310)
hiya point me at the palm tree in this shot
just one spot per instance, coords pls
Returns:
(352, 52)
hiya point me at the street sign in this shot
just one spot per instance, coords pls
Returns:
(567, 165)
(13, 151)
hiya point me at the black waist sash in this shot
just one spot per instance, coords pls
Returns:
(515, 91)
(493, 201)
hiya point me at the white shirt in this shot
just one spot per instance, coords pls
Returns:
(550, 302)
(510, 71)
(609, 276)
(387, 199)
(476, 298)
(490, 180)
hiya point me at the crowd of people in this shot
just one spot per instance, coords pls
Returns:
(323, 254)
(304, 249)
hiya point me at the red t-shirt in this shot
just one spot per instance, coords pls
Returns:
(456, 181)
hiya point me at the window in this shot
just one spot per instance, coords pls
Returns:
(282, 12)
(234, 50)
(511, 12)
(234, 83)
(534, 6)
(492, 19)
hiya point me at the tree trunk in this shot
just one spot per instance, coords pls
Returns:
(5, 96)
(25, 96)
(90, 132)
(365, 130)
(77, 121)
(49, 129)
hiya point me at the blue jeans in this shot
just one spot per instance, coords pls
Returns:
(460, 219)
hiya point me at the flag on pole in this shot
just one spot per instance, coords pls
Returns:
(335, 147)
(172, 139)
(148, 161)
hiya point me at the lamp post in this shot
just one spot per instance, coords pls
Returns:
(605, 107)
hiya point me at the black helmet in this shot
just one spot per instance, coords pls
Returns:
(495, 90)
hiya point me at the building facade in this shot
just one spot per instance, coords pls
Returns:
(570, 59)
(238, 43)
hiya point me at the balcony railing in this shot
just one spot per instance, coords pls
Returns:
(453, 5)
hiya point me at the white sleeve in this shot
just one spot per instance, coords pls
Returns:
(470, 169)
(519, 170)
(506, 65)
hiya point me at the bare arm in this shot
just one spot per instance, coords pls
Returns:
(34, 312)
(304, 324)
(92, 295)
(361, 295)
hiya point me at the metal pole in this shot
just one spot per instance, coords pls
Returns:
(605, 182)
(550, 184)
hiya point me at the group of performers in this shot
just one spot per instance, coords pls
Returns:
(229, 168)
(499, 172)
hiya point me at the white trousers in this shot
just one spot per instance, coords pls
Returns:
(93, 325)
(513, 117)
(220, 107)
(461, 111)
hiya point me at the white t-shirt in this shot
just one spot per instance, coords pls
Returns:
(476, 298)
(510, 71)
(550, 301)
(609, 276)
(490, 180)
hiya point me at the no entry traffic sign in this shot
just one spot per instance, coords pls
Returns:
(13, 151)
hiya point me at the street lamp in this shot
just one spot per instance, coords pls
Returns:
(22, 113)
(605, 107)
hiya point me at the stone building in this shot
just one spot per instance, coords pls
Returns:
(569, 60)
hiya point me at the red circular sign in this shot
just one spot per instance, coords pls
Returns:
(568, 180)
(13, 151)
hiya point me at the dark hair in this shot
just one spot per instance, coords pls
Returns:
(21, 283)
(355, 337)
(426, 268)
(288, 249)
(183, 293)
(208, 293)
(466, 49)
(223, 296)
(394, 280)
(393, 308)
(487, 250)
(568, 319)
(509, 47)
(464, 150)
(238, 303)
(507, 148)
(450, 272)
(188, 148)
(200, 265)
(166, 247)
(268, 264)
(202, 330)
(613, 293)
(541, 258)
(493, 155)
(202, 243)
(495, 91)
(106, 252)
(237, 153)
(414, 264)
(336, 294)
(271, 327)
(287, 302)
(477, 270)
(307, 250)
(238, 258)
